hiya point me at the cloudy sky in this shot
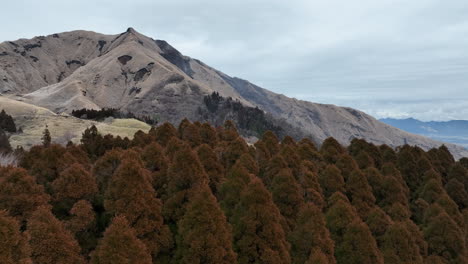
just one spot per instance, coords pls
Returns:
(390, 58)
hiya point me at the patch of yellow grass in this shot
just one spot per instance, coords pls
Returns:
(63, 128)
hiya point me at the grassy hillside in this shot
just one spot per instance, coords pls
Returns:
(33, 120)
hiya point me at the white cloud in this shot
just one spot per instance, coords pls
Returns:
(367, 51)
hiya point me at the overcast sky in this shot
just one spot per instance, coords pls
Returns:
(389, 58)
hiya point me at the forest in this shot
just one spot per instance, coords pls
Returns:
(200, 194)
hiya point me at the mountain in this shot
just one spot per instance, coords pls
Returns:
(454, 131)
(135, 73)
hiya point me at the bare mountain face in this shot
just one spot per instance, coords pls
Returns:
(132, 72)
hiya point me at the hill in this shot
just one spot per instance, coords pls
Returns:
(453, 131)
(132, 72)
(33, 119)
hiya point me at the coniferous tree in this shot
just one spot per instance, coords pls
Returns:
(73, 184)
(311, 238)
(258, 233)
(308, 151)
(131, 194)
(212, 166)
(311, 189)
(46, 138)
(5, 146)
(6, 122)
(444, 237)
(236, 181)
(50, 242)
(287, 196)
(353, 240)
(360, 193)
(271, 143)
(399, 246)
(204, 235)
(14, 247)
(92, 141)
(208, 135)
(331, 180)
(82, 224)
(331, 150)
(19, 193)
(184, 174)
(155, 160)
(120, 245)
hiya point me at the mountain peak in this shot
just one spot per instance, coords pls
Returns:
(131, 30)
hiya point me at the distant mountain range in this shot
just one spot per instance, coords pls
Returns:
(135, 73)
(455, 131)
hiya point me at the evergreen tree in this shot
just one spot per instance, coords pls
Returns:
(308, 180)
(287, 196)
(353, 240)
(208, 135)
(233, 152)
(311, 238)
(271, 143)
(131, 194)
(73, 184)
(92, 142)
(14, 247)
(331, 180)
(6, 122)
(20, 195)
(308, 151)
(331, 150)
(184, 173)
(445, 238)
(360, 192)
(155, 160)
(358, 245)
(399, 246)
(46, 138)
(212, 166)
(189, 133)
(5, 146)
(204, 235)
(236, 181)
(50, 242)
(82, 223)
(164, 133)
(258, 234)
(120, 245)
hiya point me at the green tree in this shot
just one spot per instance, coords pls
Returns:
(46, 138)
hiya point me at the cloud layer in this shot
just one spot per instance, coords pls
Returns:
(389, 57)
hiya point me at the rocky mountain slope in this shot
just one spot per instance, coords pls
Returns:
(132, 72)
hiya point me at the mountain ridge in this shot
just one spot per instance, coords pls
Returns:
(132, 72)
(453, 131)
